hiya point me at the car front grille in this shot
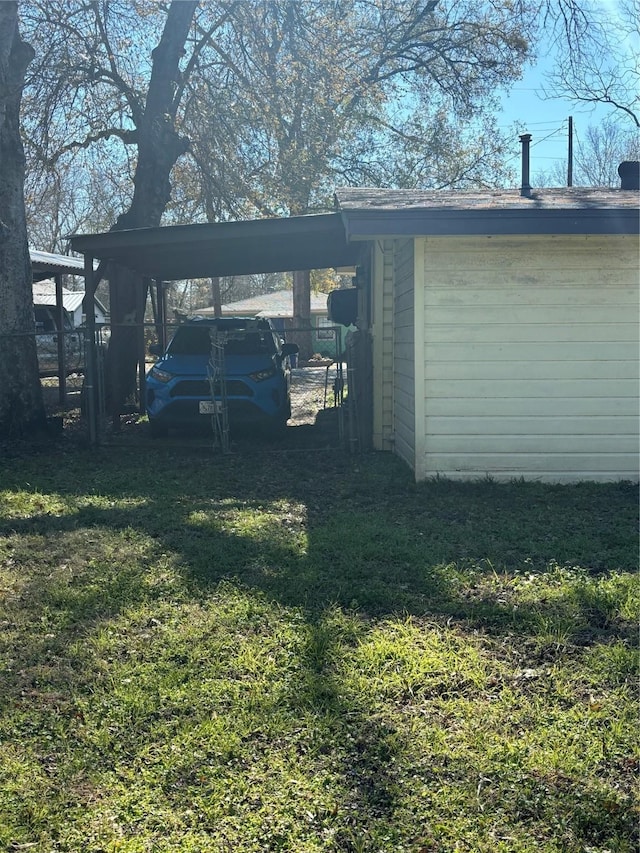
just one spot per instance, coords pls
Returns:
(200, 388)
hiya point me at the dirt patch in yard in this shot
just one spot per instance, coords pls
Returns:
(312, 391)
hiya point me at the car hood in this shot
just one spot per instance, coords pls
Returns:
(198, 365)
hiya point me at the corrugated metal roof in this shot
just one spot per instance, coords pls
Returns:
(44, 293)
(48, 263)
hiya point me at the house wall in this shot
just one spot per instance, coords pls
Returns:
(382, 327)
(404, 398)
(78, 318)
(530, 357)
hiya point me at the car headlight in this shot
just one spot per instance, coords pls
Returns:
(261, 375)
(160, 375)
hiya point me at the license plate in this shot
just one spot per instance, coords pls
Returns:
(210, 407)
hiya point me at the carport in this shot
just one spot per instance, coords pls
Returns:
(46, 265)
(178, 252)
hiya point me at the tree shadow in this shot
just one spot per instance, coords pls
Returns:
(323, 543)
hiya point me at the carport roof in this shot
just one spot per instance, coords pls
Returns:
(179, 252)
(47, 264)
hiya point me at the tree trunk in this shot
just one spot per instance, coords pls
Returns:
(159, 146)
(302, 313)
(21, 406)
(216, 296)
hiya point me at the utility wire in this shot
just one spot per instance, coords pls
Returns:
(555, 132)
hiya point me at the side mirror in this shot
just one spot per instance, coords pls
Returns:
(290, 349)
(155, 349)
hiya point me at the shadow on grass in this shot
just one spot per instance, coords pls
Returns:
(311, 532)
(358, 534)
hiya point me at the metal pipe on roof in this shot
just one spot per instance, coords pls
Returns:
(525, 188)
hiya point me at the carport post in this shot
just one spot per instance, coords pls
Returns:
(90, 387)
(142, 376)
(161, 303)
(62, 352)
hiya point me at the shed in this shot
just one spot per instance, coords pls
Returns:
(503, 325)
(504, 330)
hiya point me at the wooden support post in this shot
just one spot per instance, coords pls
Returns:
(62, 350)
(142, 376)
(90, 375)
(161, 313)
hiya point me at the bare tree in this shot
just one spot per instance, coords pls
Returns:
(21, 407)
(598, 48)
(601, 151)
(598, 153)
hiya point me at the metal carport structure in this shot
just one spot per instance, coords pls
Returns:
(177, 252)
(45, 265)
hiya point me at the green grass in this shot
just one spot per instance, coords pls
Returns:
(308, 652)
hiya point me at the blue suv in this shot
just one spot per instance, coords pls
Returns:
(256, 370)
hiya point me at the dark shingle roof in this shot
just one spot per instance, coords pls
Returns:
(564, 198)
(370, 213)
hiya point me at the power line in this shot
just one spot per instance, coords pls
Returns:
(555, 132)
(540, 123)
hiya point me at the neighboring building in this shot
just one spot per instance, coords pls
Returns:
(44, 293)
(278, 306)
(504, 330)
(48, 265)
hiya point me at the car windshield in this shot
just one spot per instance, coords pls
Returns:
(196, 340)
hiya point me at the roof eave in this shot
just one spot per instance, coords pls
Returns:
(370, 224)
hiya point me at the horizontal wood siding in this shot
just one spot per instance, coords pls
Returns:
(404, 353)
(531, 357)
(383, 346)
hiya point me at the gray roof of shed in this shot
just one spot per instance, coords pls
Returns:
(332, 239)
(570, 210)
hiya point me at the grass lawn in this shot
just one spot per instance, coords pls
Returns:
(309, 652)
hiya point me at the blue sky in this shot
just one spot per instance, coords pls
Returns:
(547, 120)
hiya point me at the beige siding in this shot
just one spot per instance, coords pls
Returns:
(531, 358)
(404, 352)
(382, 322)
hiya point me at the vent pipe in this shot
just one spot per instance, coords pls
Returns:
(629, 172)
(525, 189)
